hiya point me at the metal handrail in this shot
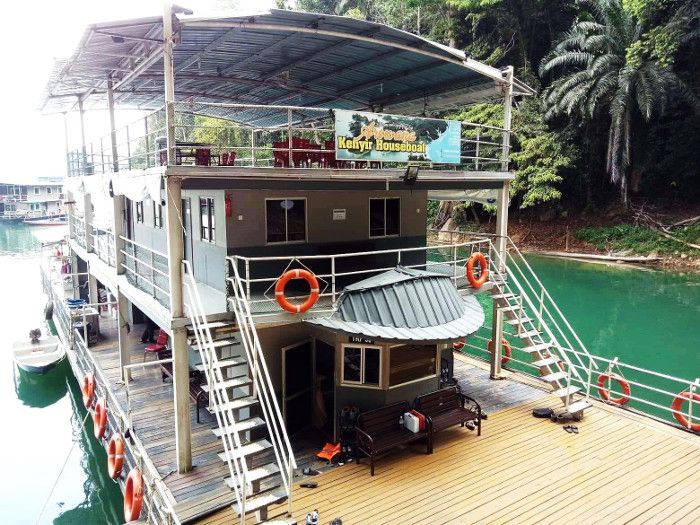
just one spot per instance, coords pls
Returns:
(230, 437)
(263, 384)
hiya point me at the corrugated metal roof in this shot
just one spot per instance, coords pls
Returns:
(276, 57)
(405, 304)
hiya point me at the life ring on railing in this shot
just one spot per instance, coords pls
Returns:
(282, 283)
(458, 345)
(481, 259)
(507, 350)
(88, 389)
(115, 456)
(99, 418)
(133, 495)
(676, 406)
(605, 392)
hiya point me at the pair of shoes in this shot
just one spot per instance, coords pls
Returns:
(308, 471)
(571, 429)
(309, 484)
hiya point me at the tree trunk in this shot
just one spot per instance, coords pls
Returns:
(444, 213)
(624, 190)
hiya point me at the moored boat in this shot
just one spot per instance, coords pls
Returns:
(61, 220)
(39, 354)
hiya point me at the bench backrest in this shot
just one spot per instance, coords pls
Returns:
(438, 401)
(383, 419)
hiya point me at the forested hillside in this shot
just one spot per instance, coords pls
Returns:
(616, 121)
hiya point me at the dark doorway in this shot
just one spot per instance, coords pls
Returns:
(187, 230)
(128, 224)
(298, 385)
(324, 396)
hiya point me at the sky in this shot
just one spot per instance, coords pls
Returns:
(33, 35)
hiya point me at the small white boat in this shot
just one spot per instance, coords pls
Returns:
(40, 356)
(47, 221)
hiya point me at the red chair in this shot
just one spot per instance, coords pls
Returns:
(280, 151)
(160, 345)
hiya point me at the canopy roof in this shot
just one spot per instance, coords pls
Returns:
(405, 305)
(276, 57)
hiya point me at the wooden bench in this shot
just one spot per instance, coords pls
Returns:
(197, 394)
(448, 407)
(378, 432)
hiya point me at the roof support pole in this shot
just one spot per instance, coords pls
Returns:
(87, 216)
(507, 117)
(83, 150)
(65, 137)
(118, 204)
(169, 81)
(123, 334)
(496, 337)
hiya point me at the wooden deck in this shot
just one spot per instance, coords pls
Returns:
(620, 468)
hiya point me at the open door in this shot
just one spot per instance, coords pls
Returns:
(298, 385)
(187, 231)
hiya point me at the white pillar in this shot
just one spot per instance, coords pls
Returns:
(92, 288)
(181, 394)
(87, 215)
(496, 337)
(83, 150)
(112, 126)
(118, 212)
(507, 117)
(123, 333)
(65, 137)
(169, 81)
(501, 241)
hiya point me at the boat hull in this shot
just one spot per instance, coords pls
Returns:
(38, 358)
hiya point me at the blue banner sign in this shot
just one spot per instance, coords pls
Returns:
(364, 136)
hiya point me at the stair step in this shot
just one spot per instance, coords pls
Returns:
(256, 474)
(554, 376)
(540, 347)
(242, 426)
(217, 343)
(505, 296)
(512, 308)
(518, 320)
(224, 363)
(531, 333)
(546, 361)
(236, 404)
(236, 382)
(263, 500)
(210, 326)
(562, 392)
(256, 447)
(578, 406)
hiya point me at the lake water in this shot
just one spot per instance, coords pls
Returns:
(646, 318)
(43, 414)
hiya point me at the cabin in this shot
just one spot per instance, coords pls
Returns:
(38, 198)
(265, 219)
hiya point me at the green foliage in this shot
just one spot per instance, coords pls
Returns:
(640, 239)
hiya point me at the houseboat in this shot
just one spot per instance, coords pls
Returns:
(40, 198)
(267, 276)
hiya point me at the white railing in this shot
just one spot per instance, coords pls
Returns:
(259, 274)
(262, 386)
(147, 269)
(157, 496)
(76, 230)
(218, 393)
(209, 134)
(103, 246)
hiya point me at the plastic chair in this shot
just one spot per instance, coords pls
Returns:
(160, 345)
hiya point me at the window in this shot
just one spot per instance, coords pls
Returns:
(361, 365)
(208, 219)
(157, 215)
(384, 217)
(48, 189)
(37, 190)
(139, 211)
(411, 362)
(285, 220)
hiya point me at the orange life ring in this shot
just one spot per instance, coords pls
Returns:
(481, 259)
(458, 345)
(115, 456)
(676, 405)
(133, 495)
(99, 418)
(605, 392)
(282, 283)
(88, 389)
(507, 351)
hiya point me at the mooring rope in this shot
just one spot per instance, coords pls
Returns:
(46, 502)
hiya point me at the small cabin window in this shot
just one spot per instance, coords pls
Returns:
(37, 190)
(207, 219)
(48, 189)
(361, 365)
(285, 220)
(139, 211)
(411, 362)
(157, 215)
(384, 217)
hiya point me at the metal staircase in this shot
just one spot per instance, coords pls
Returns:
(256, 447)
(545, 332)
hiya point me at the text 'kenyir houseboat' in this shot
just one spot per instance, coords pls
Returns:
(254, 259)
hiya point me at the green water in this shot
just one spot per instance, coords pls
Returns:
(42, 415)
(649, 319)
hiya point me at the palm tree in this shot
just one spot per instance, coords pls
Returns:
(601, 71)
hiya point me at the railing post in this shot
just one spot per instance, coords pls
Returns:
(289, 136)
(476, 153)
(541, 311)
(333, 278)
(128, 148)
(290, 473)
(247, 279)
(102, 155)
(153, 278)
(691, 391)
(507, 113)
(252, 146)
(145, 140)
(454, 262)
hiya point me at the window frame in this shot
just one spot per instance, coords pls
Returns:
(438, 350)
(210, 228)
(286, 220)
(37, 190)
(369, 217)
(139, 212)
(361, 383)
(157, 215)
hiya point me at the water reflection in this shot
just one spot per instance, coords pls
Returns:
(41, 391)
